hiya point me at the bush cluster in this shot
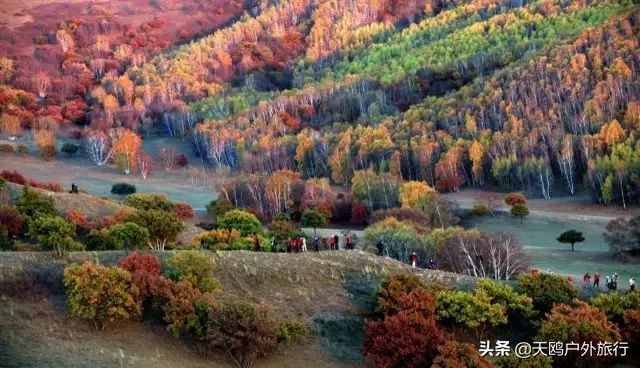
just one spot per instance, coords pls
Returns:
(183, 299)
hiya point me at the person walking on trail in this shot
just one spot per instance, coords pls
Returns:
(316, 244)
(586, 279)
(256, 243)
(596, 280)
(432, 264)
(632, 284)
(303, 240)
(336, 241)
(380, 247)
(414, 259)
(348, 242)
(608, 281)
(614, 281)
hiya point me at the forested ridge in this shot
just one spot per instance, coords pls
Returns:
(538, 96)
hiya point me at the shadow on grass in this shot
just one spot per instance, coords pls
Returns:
(342, 333)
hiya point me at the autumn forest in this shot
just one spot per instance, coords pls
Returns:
(534, 96)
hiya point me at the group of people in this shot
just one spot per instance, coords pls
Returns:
(413, 257)
(299, 244)
(611, 281)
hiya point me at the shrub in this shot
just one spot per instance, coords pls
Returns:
(359, 214)
(217, 239)
(412, 192)
(52, 187)
(581, 323)
(217, 208)
(313, 218)
(457, 354)
(475, 311)
(79, 219)
(614, 304)
(291, 332)
(631, 328)
(163, 226)
(399, 239)
(47, 152)
(12, 221)
(6, 243)
(520, 210)
(408, 338)
(416, 217)
(480, 209)
(7, 148)
(181, 160)
(513, 361)
(195, 267)
(546, 290)
(395, 287)
(128, 235)
(184, 211)
(283, 229)
(513, 199)
(243, 221)
(123, 189)
(69, 149)
(54, 233)
(99, 240)
(32, 204)
(186, 309)
(516, 305)
(13, 177)
(623, 236)
(149, 201)
(100, 294)
(242, 331)
(140, 262)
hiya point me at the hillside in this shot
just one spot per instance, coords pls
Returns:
(329, 290)
(96, 208)
(536, 96)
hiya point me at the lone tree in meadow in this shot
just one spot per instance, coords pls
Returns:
(515, 198)
(520, 210)
(571, 237)
(313, 218)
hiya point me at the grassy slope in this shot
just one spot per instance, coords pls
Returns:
(95, 208)
(329, 290)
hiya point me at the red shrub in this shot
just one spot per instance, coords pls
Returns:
(631, 328)
(12, 220)
(13, 177)
(457, 354)
(184, 211)
(359, 214)
(145, 273)
(79, 219)
(137, 262)
(408, 339)
(512, 199)
(17, 178)
(118, 217)
(181, 160)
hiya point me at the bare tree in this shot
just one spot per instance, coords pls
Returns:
(98, 147)
(168, 158)
(497, 256)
